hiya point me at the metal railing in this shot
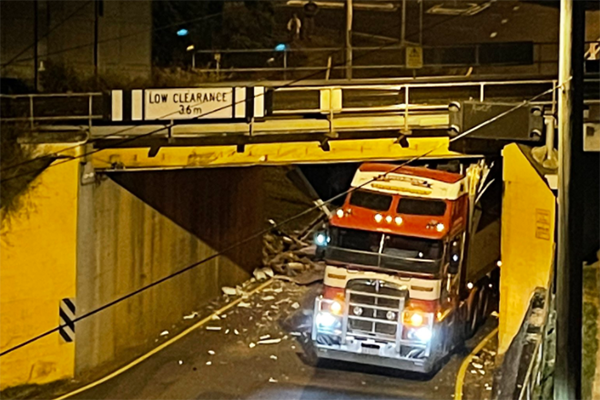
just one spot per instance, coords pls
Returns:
(541, 57)
(406, 99)
(523, 370)
(82, 107)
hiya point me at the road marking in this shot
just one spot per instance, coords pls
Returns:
(458, 390)
(162, 346)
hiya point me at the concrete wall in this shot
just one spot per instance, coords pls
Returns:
(136, 228)
(37, 270)
(124, 36)
(527, 240)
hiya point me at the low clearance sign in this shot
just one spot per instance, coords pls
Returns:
(188, 103)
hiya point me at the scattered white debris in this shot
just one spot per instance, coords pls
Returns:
(215, 317)
(504, 21)
(211, 352)
(296, 334)
(273, 357)
(228, 290)
(293, 347)
(477, 365)
(473, 371)
(191, 316)
(236, 331)
(268, 298)
(180, 362)
(482, 372)
(283, 301)
(493, 34)
(296, 305)
(278, 290)
(488, 388)
(244, 304)
(223, 316)
(213, 328)
(227, 331)
(263, 337)
(270, 341)
(363, 383)
(163, 333)
(272, 380)
(209, 363)
(252, 345)
(494, 314)
(296, 266)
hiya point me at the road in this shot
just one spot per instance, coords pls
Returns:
(230, 363)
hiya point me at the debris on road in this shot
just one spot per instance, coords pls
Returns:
(236, 331)
(263, 337)
(211, 352)
(209, 363)
(273, 357)
(213, 328)
(163, 333)
(191, 316)
(180, 362)
(229, 291)
(252, 345)
(272, 380)
(269, 341)
(296, 305)
(244, 304)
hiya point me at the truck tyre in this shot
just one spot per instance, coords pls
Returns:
(484, 302)
(473, 314)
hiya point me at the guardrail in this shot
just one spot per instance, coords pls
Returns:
(36, 108)
(523, 371)
(301, 101)
(284, 61)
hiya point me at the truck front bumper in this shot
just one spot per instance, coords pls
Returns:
(332, 353)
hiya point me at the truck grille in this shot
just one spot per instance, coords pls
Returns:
(374, 308)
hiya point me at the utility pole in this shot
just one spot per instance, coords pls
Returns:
(97, 5)
(348, 39)
(571, 182)
(403, 27)
(35, 47)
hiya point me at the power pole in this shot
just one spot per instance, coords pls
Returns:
(36, 46)
(348, 39)
(403, 27)
(571, 177)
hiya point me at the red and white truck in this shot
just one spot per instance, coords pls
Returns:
(412, 261)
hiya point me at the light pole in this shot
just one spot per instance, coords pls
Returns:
(571, 188)
(348, 39)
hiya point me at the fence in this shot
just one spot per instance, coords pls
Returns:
(526, 371)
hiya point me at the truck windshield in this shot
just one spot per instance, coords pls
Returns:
(401, 253)
(421, 207)
(370, 200)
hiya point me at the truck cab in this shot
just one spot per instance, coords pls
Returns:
(394, 253)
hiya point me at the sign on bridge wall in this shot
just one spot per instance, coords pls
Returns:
(187, 104)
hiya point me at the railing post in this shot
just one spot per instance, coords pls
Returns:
(481, 91)
(406, 101)
(31, 117)
(285, 64)
(90, 110)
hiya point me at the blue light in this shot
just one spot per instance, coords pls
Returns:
(321, 239)
(182, 32)
(281, 47)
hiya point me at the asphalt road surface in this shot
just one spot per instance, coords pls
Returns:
(230, 363)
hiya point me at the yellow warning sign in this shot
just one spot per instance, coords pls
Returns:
(414, 57)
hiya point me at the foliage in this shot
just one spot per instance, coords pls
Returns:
(590, 348)
(18, 169)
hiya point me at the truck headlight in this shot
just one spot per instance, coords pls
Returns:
(357, 311)
(423, 334)
(321, 239)
(390, 315)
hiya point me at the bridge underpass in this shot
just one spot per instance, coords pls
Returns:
(160, 220)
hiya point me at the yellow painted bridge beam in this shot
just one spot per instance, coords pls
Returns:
(271, 154)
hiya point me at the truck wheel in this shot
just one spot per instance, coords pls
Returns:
(473, 310)
(484, 303)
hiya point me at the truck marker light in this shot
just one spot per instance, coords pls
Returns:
(336, 307)
(340, 213)
(499, 263)
(455, 257)
(388, 219)
(470, 285)
(378, 218)
(439, 227)
(398, 220)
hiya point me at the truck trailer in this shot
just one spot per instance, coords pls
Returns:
(412, 264)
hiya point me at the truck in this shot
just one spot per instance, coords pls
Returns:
(412, 264)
